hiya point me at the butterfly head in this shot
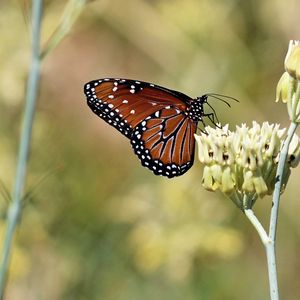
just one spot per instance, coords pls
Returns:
(195, 110)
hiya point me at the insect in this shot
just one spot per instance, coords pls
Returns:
(159, 122)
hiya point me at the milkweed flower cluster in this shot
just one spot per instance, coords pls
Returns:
(242, 163)
(288, 88)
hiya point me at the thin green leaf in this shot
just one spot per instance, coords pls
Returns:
(69, 17)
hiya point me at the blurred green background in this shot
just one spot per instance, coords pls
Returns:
(100, 226)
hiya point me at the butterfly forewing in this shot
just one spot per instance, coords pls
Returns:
(125, 103)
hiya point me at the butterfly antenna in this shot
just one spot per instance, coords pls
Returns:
(224, 96)
(220, 97)
(216, 97)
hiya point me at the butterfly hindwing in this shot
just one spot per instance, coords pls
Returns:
(164, 142)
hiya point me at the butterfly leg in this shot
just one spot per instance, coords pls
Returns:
(213, 118)
(203, 130)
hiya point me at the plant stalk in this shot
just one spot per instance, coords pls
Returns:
(269, 240)
(279, 173)
(270, 253)
(270, 247)
(15, 207)
(272, 270)
(257, 225)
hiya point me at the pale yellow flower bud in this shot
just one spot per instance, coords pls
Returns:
(288, 87)
(292, 60)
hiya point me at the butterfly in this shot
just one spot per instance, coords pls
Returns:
(160, 123)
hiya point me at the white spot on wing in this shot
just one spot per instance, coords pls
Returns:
(132, 111)
(125, 101)
(111, 96)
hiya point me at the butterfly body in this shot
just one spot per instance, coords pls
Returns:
(159, 122)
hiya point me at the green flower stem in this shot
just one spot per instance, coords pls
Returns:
(272, 270)
(270, 247)
(257, 225)
(270, 239)
(270, 252)
(15, 208)
(280, 169)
